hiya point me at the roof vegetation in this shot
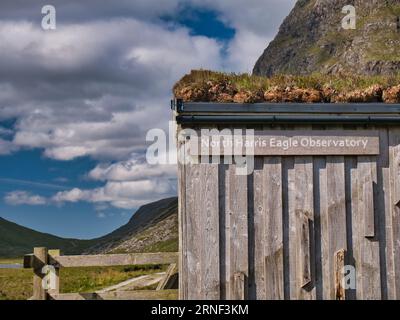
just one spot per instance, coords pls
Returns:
(210, 86)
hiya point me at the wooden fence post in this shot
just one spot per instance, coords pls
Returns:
(170, 279)
(54, 254)
(39, 261)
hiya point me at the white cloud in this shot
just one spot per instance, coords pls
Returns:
(99, 99)
(24, 198)
(262, 17)
(256, 23)
(96, 85)
(96, 99)
(244, 50)
(126, 195)
(132, 170)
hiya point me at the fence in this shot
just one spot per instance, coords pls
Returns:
(306, 213)
(42, 257)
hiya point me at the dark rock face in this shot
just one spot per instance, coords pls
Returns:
(312, 39)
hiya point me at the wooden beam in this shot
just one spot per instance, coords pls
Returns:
(120, 295)
(108, 260)
(170, 279)
(28, 261)
(39, 261)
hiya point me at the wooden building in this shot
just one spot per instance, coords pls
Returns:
(313, 220)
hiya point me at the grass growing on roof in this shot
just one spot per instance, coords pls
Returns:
(198, 78)
(209, 86)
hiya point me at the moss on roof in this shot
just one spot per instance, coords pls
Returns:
(210, 86)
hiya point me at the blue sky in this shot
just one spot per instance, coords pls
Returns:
(76, 102)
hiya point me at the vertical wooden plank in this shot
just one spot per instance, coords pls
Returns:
(388, 272)
(274, 268)
(208, 235)
(287, 178)
(193, 249)
(237, 210)
(369, 265)
(260, 229)
(301, 213)
(319, 207)
(324, 232)
(294, 288)
(383, 218)
(252, 285)
(304, 252)
(224, 221)
(182, 222)
(367, 177)
(39, 261)
(203, 232)
(224, 231)
(334, 219)
(350, 164)
(394, 163)
(356, 230)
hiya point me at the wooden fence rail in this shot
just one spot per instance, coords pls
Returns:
(42, 258)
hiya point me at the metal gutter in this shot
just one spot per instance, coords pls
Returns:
(344, 119)
(263, 113)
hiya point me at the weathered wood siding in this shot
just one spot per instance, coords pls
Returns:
(286, 230)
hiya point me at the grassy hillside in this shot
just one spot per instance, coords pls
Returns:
(15, 241)
(153, 228)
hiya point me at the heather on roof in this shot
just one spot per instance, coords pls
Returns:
(209, 86)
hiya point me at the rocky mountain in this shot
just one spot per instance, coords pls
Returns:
(312, 40)
(153, 228)
(16, 241)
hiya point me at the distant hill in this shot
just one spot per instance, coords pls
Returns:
(312, 40)
(16, 241)
(153, 228)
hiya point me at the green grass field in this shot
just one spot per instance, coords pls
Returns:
(10, 260)
(16, 284)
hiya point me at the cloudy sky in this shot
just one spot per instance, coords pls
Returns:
(76, 102)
